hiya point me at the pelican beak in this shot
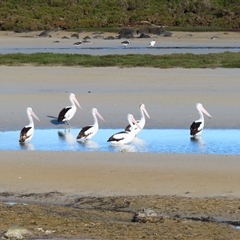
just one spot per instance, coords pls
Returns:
(34, 115)
(99, 115)
(134, 121)
(76, 101)
(205, 112)
(145, 110)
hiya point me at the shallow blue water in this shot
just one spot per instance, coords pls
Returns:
(120, 50)
(213, 141)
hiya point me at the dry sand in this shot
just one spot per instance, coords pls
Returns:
(169, 95)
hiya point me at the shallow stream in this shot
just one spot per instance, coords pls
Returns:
(212, 141)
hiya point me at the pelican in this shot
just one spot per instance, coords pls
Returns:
(89, 131)
(152, 43)
(140, 122)
(28, 131)
(124, 136)
(125, 43)
(68, 112)
(197, 127)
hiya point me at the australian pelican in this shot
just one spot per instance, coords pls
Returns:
(140, 122)
(27, 132)
(89, 131)
(68, 112)
(124, 137)
(197, 127)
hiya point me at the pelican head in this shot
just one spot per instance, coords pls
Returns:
(72, 98)
(95, 112)
(200, 108)
(132, 120)
(31, 113)
(143, 108)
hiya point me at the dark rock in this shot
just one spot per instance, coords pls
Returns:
(126, 33)
(143, 35)
(109, 38)
(45, 34)
(75, 35)
(86, 38)
(65, 37)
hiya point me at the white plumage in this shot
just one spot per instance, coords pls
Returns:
(27, 132)
(196, 127)
(89, 131)
(152, 43)
(140, 122)
(124, 137)
(68, 112)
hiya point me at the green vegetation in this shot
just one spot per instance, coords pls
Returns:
(107, 14)
(218, 60)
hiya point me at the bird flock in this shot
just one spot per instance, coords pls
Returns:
(123, 137)
(126, 43)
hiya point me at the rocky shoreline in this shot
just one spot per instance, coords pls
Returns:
(124, 217)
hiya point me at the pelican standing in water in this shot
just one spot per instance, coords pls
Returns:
(124, 137)
(27, 132)
(89, 131)
(197, 127)
(140, 122)
(68, 112)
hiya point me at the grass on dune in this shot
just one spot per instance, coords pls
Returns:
(223, 60)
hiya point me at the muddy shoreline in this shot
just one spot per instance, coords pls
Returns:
(125, 217)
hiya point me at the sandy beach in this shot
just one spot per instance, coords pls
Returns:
(144, 179)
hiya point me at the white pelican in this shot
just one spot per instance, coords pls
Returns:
(125, 43)
(152, 43)
(197, 126)
(89, 131)
(68, 112)
(124, 136)
(28, 131)
(140, 122)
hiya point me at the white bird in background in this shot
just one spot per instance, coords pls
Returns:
(124, 136)
(27, 132)
(125, 43)
(68, 112)
(197, 127)
(89, 131)
(152, 43)
(140, 122)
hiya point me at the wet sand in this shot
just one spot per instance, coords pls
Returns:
(170, 96)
